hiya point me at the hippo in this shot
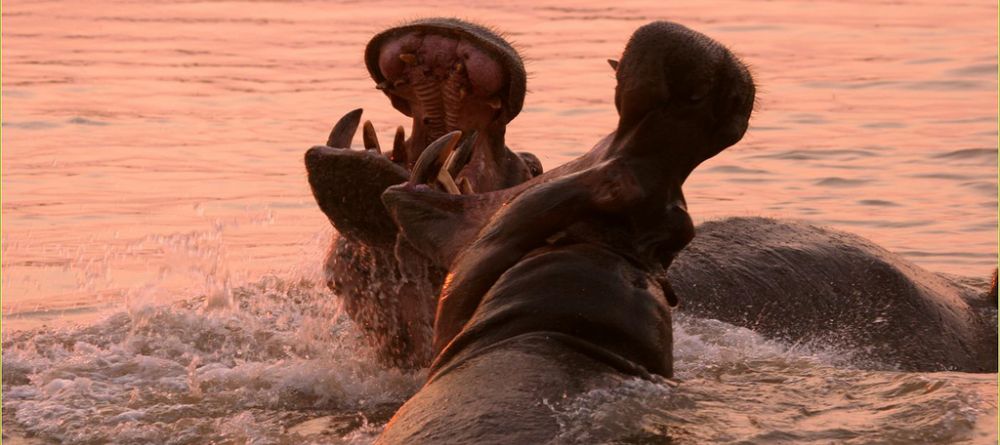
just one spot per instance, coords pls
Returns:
(445, 74)
(564, 288)
(834, 289)
(803, 284)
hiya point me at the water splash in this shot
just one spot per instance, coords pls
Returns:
(737, 387)
(179, 374)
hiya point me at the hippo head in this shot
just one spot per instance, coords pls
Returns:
(693, 90)
(446, 75)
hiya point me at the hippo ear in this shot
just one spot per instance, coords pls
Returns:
(438, 225)
(613, 63)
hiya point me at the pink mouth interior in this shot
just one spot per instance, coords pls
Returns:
(448, 83)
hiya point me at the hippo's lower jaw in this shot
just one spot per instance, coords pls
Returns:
(447, 75)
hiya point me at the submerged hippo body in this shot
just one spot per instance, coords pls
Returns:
(562, 290)
(804, 284)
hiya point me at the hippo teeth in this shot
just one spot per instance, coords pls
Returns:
(399, 146)
(408, 58)
(454, 163)
(459, 158)
(448, 182)
(466, 186)
(370, 138)
(438, 165)
(343, 131)
(439, 159)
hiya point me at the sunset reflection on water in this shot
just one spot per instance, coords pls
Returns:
(154, 150)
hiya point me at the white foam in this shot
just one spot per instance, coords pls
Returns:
(160, 374)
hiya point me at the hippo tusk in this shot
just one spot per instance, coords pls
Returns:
(433, 157)
(448, 182)
(460, 157)
(343, 131)
(370, 138)
(466, 186)
(399, 146)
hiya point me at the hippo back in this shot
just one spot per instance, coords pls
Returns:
(807, 284)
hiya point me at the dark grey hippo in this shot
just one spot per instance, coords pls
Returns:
(805, 284)
(563, 289)
(785, 280)
(446, 75)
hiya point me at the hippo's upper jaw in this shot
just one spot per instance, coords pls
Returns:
(447, 75)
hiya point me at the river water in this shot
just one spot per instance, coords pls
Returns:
(152, 167)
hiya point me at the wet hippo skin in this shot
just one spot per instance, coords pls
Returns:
(804, 284)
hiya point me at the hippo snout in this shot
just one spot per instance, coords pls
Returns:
(314, 157)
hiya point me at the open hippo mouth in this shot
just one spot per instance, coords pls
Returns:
(448, 76)
(456, 81)
(405, 213)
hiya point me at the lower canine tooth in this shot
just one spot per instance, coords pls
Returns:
(466, 186)
(399, 146)
(370, 138)
(459, 158)
(448, 182)
(432, 158)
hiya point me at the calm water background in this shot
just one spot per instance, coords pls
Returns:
(152, 153)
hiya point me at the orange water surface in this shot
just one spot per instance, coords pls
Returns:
(153, 150)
